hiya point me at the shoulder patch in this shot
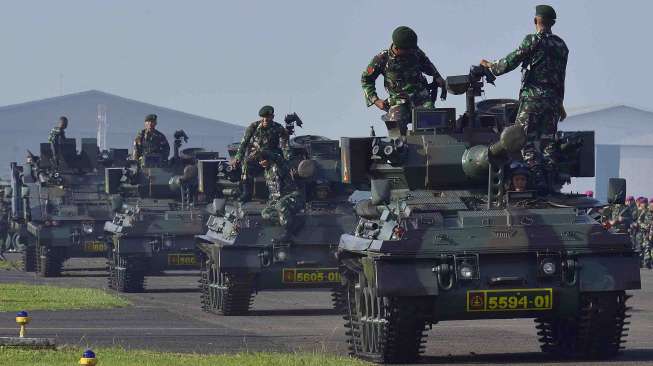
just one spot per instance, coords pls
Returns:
(370, 70)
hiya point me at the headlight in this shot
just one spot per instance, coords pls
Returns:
(87, 228)
(466, 271)
(281, 255)
(168, 242)
(548, 267)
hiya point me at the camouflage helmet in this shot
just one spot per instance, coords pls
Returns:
(404, 37)
(519, 168)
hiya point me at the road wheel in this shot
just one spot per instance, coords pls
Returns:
(596, 332)
(382, 329)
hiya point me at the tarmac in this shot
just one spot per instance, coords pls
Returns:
(168, 318)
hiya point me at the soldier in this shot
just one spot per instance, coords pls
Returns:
(285, 199)
(620, 218)
(150, 140)
(403, 67)
(519, 179)
(646, 237)
(56, 139)
(262, 135)
(543, 57)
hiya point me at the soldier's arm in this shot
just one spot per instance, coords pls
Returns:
(165, 146)
(370, 74)
(283, 143)
(249, 132)
(514, 58)
(427, 67)
(137, 146)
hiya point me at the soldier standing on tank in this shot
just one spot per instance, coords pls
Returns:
(262, 135)
(150, 140)
(285, 199)
(56, 138)
(543, 57)
(403, 67)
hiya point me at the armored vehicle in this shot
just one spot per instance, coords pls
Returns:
(242, 252)
(158, 213)
(445, 238)
(58, 205)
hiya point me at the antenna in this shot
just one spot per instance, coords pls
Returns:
(102, 125)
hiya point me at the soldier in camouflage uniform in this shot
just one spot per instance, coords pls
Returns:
(646, 235)
(150, 140)
(620, 218)
(285, 199)
(5, 211)
(403, 67)
(543, 57)
(56, 139)
(262, 135)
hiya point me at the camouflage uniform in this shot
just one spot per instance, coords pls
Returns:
(543, 57)
(272, 139)
(620, 216)
(56, 139)
(151, 143)
(645, 237)
(285, 199)
(403, 78)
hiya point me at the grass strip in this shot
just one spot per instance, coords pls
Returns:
(67, 356)
(16, 297)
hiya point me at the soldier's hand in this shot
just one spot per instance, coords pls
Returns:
(234, 162)
(485, 63)
(264, 163)
(381, 104)
(563, 113)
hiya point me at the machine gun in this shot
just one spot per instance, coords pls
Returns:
(291, 120)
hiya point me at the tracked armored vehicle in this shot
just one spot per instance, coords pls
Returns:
(240, 253)
(158, 213)
(59, 207)
(444, 238)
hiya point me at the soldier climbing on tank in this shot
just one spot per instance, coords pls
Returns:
(150, 140)
(56, 139)
(543, 57)
(403, 67)
(262, 135)
(285, 199)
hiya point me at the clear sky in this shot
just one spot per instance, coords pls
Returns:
(224, 59)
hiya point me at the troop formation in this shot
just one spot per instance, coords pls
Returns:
(635, 217)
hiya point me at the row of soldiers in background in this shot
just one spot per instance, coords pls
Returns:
(636, 218)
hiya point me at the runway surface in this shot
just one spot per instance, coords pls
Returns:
(168, 318)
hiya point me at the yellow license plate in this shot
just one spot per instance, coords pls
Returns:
(95, 247)
(182, 260)
(510, 300)
(310, 275)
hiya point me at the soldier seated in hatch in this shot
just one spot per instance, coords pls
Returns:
(150, 140)
(519, 175)
(262, 135)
